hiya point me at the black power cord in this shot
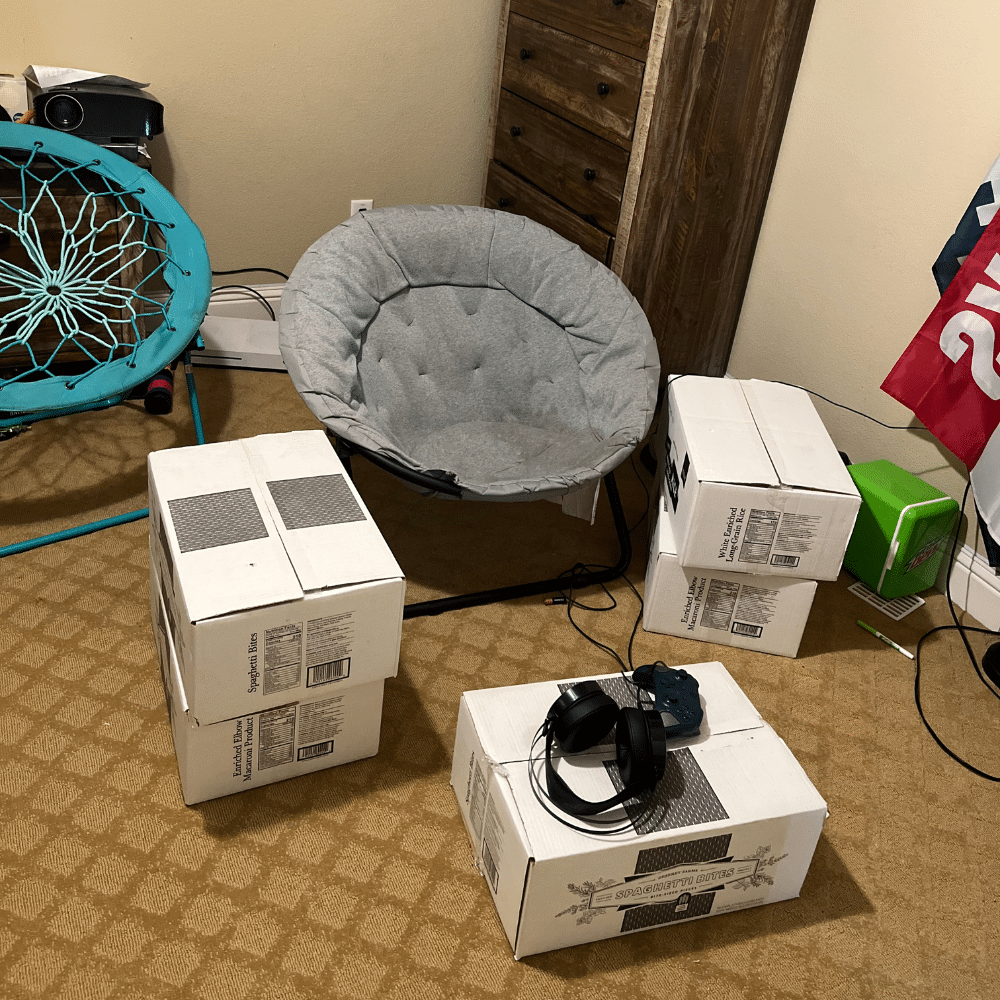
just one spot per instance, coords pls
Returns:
(962, 630)
(615, 824)
(566, 596)
(991, 660)
(844, 406)
(247, 288)
(251, 270)
(252, 291)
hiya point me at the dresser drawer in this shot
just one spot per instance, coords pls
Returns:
(621, 25)
(510, 193)
(576, 167)
(585, 83)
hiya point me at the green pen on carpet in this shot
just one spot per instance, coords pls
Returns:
(885, 639)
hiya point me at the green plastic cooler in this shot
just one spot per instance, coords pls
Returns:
(902, 529)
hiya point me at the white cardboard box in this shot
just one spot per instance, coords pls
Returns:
(277, 583)
(764, 613)
(258, 748)
(755, 484)
(735, 820)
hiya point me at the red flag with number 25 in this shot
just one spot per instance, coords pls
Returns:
(948, 375)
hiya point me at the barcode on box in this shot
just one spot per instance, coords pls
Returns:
(492, 875)
(742, 628)
(779, 560)
(316, 750)
(324, 673)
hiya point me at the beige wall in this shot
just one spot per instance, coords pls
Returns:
(277, 115)
(893, 126)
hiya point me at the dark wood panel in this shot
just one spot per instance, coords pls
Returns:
(724, 88)
(623, 27)
(576, 167)
(510, 193)
(565, 75)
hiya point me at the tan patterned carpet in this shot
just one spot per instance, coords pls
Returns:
(358, 881)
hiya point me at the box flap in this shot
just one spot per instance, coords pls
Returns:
(173, 683)
(224, 546)
(508, 718)
(327, 531)
(663, 535)
(722, 437)
(796, 439)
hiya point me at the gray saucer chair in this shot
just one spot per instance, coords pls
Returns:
(474, 354)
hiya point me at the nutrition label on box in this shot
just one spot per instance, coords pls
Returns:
(328, 648)
(740, 608)
(299, 732)
(282, 658)
(758, 536)
(277, 737)
(770, 536)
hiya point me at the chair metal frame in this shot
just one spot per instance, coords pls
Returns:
(81, 283)
(592, 577)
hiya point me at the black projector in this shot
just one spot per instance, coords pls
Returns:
(108, 116)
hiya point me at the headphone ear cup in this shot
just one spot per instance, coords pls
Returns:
(582, 717)
(641, 748)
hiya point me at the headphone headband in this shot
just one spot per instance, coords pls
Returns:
(578, 720)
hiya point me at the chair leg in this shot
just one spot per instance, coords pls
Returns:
(199, 431)
(343, 450)
(83, 529)
(590, 578)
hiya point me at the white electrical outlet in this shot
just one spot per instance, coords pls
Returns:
(361, 205)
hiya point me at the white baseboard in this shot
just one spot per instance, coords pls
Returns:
(240, 304)
(974, 586)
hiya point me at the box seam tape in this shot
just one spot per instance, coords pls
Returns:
(747, 395)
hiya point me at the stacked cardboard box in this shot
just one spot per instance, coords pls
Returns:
(756, 505)
(277, 610)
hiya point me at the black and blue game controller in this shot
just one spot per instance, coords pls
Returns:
(675, 693)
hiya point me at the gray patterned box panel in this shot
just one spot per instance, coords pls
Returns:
(212, 519)
(315, 500)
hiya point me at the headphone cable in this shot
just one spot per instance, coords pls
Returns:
(542, 795)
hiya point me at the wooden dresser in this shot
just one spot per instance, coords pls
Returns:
(647, 132)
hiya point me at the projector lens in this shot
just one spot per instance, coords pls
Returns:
(64, 113)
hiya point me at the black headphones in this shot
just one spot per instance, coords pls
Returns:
(583, 716)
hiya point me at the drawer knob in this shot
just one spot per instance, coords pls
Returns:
(515, 130)
(589, 174)
(603, 90)
(618, 3)
(524, 54)
(504, 202)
